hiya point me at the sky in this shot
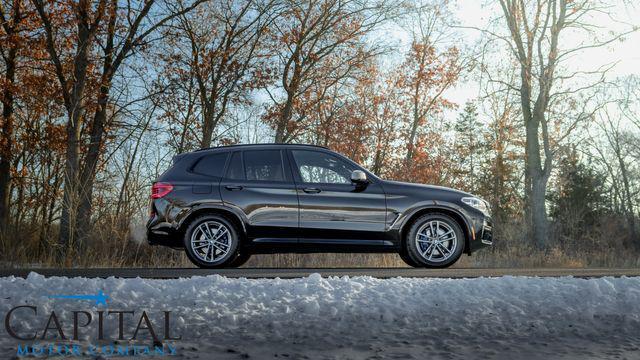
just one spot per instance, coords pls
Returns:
(476, 13)
(479, 14)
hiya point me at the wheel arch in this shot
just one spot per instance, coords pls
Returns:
(436, 209)
(225, 212)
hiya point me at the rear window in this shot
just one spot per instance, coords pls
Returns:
(256, 165)
(211, 165)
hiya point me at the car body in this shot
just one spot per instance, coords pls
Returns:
(297, 198)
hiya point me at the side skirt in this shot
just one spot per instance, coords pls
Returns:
(305, 246)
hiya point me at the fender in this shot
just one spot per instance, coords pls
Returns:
(188, 212)
(403, 219)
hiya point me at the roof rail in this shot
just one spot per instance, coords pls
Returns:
(259, 144)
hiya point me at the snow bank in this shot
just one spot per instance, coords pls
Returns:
(342, 317)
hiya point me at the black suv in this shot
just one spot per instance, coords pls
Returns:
(223, 204)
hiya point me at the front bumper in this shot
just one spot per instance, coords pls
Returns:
(482, 235)
(486, 234)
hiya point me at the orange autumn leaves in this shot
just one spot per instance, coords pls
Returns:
(377, 116)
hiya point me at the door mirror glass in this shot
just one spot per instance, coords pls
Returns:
(358, 177)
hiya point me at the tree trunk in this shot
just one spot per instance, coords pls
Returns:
(130, 164)
(207, 129)
(6, 150)
(6, 154)
(536, 185)
(541, 31)
(20, 203)
(628, 198)
(211, 119)
(67, 235)
(539, 229)
(284, 119)
(88, 173)
(74, 102)
(70, 207)
(292, 89)
(414, 125)
(410, 143)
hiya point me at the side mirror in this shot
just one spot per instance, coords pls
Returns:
(359, 177)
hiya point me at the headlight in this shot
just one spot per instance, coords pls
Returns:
(477, 203)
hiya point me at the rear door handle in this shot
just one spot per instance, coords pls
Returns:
(233, 187)
(311, 190)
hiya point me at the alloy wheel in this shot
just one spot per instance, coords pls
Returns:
(211, 241)
(436, 241)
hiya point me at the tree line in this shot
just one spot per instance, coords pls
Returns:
(98, 95)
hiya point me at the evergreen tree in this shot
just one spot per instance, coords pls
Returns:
(468, 146)
(578, 199)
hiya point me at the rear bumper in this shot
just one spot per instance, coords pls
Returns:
(161, 233)
(163, 238)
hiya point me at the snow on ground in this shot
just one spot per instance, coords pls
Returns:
(358, 317)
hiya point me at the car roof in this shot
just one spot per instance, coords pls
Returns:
(259, 146)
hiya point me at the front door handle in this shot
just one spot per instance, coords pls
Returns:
(233, 187)
(311, 190)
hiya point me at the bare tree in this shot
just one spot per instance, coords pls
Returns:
(11, 18)
(318, 41)
(614, 134)
(615, 143)
(225, 54)
(535, 42)
(432, 66)
(96, 27)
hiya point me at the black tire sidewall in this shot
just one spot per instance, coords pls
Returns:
(409, 261)
(231, 255)
(411, 248)
(240, 259)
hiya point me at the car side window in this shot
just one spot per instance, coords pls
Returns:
(263, 165)
(211, 165)
(234, 170)
(321, 168)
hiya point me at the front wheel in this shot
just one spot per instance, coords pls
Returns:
(241, 259)
(211, 241)
(405, 257)
(435, 241)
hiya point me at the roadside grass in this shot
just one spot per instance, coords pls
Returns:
(607, 247)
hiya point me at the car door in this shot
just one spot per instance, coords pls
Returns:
(259, 183)
(332, 208)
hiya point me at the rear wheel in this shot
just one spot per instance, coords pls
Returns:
(211, 241)
(434, 240)
(241, 259)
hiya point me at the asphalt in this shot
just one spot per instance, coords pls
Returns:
(256, 273)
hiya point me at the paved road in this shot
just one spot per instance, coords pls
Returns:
(169, 273)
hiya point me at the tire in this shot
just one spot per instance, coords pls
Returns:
(444, 251)
(241, 259)
(403, 255)
(208, 254)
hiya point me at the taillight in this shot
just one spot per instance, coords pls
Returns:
(160, 189)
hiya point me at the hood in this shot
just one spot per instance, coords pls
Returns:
(428, 187)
